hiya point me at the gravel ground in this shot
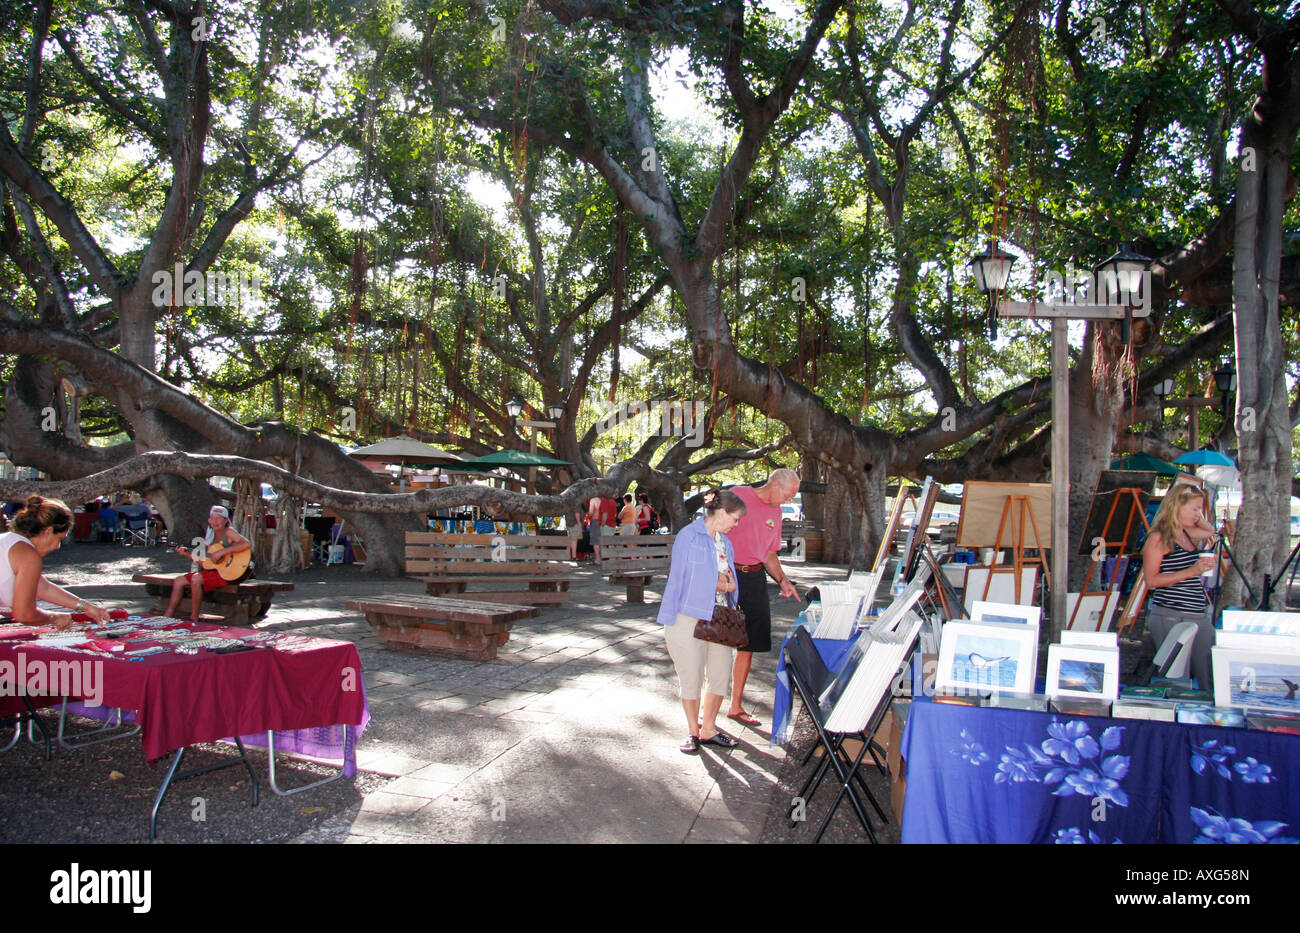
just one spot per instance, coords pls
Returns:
(104, 793)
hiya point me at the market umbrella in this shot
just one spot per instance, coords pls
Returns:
(404, 450)
(1226, 477)
(510, 459)
(1145, 463)
(1205, 457)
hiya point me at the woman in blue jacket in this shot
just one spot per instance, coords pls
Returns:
(701, 574)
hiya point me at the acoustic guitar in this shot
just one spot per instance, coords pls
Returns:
(230, 566)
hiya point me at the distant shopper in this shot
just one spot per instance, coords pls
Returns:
(39, 529)
(644, 514)
(627, 516)
(701, 574)
(602, 514)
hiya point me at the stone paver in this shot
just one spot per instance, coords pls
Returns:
(569, 735)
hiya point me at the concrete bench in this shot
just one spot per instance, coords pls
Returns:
(450, 563)
(234, 603)
(459, 628)
(634, 560)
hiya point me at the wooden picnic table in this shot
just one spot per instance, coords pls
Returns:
(462, 628)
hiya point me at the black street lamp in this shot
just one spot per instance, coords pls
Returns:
(1225, 377)
(992, 271)
(1119, 278)
(1161, 390)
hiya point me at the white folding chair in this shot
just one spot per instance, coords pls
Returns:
(1174, 658)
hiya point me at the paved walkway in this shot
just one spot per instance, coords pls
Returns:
(569, 736)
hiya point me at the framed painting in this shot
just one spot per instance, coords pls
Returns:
(1263, 623)
(1002, 587)
(1087, 673)
(987, 656)
(1005, 613)
(1263, 680)
(1095, 610)
(1090, 639)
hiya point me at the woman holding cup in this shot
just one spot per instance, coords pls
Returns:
(1172, 564)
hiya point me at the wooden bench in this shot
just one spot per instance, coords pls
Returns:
(235, 603)
(459, 628)
(449, 563)
(634, 560)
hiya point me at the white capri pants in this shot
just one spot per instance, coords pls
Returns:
(693, 658)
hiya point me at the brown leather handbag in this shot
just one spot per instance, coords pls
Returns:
(727, 627)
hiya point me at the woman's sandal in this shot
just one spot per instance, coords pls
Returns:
(691, 746)
(722, 740)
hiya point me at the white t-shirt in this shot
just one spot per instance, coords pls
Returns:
(8, 540)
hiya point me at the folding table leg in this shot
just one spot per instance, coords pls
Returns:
(173, 775)
(270, 755)
(95, 736)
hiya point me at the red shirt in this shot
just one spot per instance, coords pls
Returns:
(608, 512)
(758, 534)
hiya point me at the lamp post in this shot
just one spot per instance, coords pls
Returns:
(1161, 390)
(1060, 313)
(1119, 280)
(992, 270)
(1225, 377)
(555, 412)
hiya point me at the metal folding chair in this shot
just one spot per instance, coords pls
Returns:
(810, 677)
(136, 531)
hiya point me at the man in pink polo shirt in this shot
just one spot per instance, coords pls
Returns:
(756, 540)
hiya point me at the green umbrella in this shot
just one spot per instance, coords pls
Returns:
(510, 459)
(1147, 464)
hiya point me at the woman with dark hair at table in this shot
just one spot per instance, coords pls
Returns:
(701, 575)
(1172, 564)
(39, 528)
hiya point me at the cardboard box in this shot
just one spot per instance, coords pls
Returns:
(897, 765)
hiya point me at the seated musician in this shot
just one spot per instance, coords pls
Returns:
(219, 541)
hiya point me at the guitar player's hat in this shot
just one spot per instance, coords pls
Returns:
(220, 510)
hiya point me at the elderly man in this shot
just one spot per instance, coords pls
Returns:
(219, 541)
(756, 540)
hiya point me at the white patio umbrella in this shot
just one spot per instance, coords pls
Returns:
(404, 450)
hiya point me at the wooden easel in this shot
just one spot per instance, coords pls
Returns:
(905, 494)
(1130, 495)
(1023, 508)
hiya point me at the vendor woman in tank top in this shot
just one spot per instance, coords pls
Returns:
(1172, 564)
(38, 531)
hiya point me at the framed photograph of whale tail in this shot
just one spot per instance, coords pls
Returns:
(1090, 673)
(987, 657)
(1261, 680)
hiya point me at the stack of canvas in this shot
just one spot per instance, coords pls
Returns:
(865, 584)
(839, 611)
(870, 668)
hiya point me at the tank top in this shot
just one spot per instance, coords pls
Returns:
(1187, 596)
(8, 540)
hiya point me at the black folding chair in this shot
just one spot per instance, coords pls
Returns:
(810, 677)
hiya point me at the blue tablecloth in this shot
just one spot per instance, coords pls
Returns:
(982, 774)
(832, 651)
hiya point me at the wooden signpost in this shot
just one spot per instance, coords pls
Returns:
(1060, 313)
